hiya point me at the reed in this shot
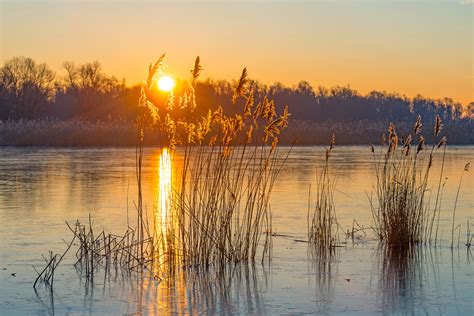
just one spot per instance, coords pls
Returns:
(220, 204)
(46, 276)
(130, 251)
(121, 132)
(466, 169)
(322, 219)
(323, 229)
(219, 207)
(401, 214)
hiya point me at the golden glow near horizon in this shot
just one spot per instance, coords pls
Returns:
(166, 83)
(409, 47)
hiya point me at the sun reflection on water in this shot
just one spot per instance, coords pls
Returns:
(164, 226)
(165, 192)
(163, 229)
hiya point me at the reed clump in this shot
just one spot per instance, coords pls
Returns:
(98, 249)
(323, 228)
(401, 210)
(217, 206)
(220, 204)
(322, 219)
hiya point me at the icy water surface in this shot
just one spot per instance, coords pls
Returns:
(40, 188)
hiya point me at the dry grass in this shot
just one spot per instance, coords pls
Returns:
(66, 133)
(401, 214)
(46, 276)
(74, 132)
(219, 206)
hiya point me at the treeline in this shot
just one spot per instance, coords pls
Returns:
(32, 91)
(29, 90)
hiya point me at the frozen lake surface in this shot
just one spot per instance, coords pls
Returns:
(41, 188)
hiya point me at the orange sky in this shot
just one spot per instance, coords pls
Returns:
(410, 47)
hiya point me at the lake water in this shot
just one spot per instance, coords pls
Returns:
(41, 188)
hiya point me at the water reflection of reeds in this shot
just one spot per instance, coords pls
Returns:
(236, 289)
(408, 276)
(401, 273)
(323, 263)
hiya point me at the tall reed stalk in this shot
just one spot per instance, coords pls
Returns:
(322, 221)
(466, 169)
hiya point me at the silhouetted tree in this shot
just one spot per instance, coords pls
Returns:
(91, 89)
(470, 110)
(28, 91)
(26, 88)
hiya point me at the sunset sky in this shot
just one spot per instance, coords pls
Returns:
(408, 47)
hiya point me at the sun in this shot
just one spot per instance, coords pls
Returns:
(166, 83)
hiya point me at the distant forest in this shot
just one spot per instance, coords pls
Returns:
(85, 106)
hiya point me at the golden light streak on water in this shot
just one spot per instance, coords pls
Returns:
(165, 186)
(163, 204)
(171, 295)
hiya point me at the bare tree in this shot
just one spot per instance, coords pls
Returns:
(26, 88)
(90, 86)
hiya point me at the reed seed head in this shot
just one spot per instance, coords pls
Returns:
(418, 125)
(442, 142)
(407, 141)
(333, 141)
(438, 125)
(240, 89)
(421, 144)
(195, 72)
